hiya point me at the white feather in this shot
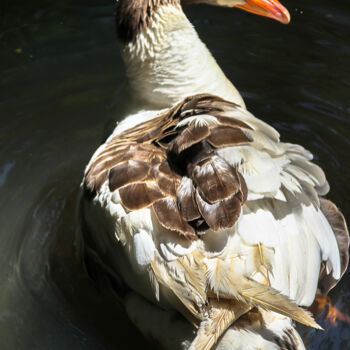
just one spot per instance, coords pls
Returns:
(198, 120)
(144, 248)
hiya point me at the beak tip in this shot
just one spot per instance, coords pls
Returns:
(286, 17)
(280, 13)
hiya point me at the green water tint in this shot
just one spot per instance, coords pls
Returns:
(61, 81)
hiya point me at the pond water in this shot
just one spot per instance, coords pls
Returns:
(61, 84)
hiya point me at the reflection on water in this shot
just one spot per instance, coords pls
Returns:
(60, 83)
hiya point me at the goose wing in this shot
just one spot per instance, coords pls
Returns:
(171, 164)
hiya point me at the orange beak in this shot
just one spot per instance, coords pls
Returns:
(267, 8)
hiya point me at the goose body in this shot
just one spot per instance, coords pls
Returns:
(195, 208)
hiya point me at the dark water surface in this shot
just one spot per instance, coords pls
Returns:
(60, 87)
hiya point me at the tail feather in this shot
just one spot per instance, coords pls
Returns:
(222, 314)
(271, 299)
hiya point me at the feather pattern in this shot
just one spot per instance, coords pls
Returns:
(157, 162)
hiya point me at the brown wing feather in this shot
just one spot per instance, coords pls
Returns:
(219, 215)
(177, 170)
(140, 195)
(128, 172)
(186, 200)
(215, 179)
(340, 229)
(169, 216)
(223, 136)
(234, 123)
(188, 137)
(167, 179)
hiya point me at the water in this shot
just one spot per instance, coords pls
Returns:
(60, 89)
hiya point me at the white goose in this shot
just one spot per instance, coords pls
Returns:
(195, 208)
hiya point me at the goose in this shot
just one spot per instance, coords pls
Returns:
(214, 232)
